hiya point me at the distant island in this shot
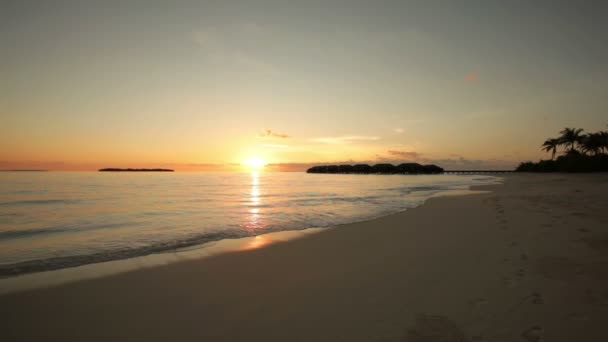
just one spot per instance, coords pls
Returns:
(134, 170)
(405, 168)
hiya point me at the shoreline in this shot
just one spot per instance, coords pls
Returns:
(54, 277)
(525, 262)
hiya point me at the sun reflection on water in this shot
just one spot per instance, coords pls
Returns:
(254, 219)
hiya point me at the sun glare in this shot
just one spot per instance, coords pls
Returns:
(255, 163)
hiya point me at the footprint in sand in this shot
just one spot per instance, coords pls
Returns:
(430, 328)
(503, 222)
(492, 200)
(510, 282)
(534, 334)
(577, 317)
(535, 298)
(595, 297)
(477, 302)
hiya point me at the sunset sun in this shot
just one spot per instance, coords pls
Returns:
(255, 163)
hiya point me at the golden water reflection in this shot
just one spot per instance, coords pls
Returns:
(254, 219)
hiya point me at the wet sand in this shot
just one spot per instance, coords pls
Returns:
(527, 261)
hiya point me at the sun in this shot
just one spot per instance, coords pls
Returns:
(255, 163)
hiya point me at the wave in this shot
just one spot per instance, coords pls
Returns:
(14, 234)
(40, 202)
(55, 263)
(174, 216)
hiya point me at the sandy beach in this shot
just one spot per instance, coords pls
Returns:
(525, 261)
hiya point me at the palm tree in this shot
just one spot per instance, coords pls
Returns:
(550, 145)
(592, 143)
(604, 140)
(570, 137)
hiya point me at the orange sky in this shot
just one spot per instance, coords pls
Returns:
(207, 86)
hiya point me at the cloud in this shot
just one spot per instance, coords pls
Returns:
(269, 134)
(344, 139)
(471, 77)
(398, 130)
(195, 164)
(405, 154)
(275, 145)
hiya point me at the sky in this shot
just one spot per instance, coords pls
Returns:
(209, 85)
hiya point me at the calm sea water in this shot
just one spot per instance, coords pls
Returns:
(51, 220)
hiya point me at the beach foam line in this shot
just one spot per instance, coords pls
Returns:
(102, 268)
(60, 276)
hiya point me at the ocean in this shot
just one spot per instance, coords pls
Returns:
(54, 220)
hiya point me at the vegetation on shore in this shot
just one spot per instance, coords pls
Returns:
(581, 153)
(405, 168)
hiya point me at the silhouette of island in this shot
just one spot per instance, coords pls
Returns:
(582, 153)
(385, 169)
(134, 170)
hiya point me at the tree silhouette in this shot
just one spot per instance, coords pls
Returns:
(571, 136)
(603, 136)
(550, 145)
(591, 155)
(592, 143)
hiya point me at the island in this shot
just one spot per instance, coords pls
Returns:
(405, 168)
(134, 170)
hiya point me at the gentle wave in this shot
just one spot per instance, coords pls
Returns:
(39, 202)
(89, 217)
(56, 263)
(24, 233)
(14, 234)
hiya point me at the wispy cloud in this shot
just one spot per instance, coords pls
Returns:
(275, 145)
(344, 139)
(398, 130)
(471, 77)
(405, 154)
(269, 134)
